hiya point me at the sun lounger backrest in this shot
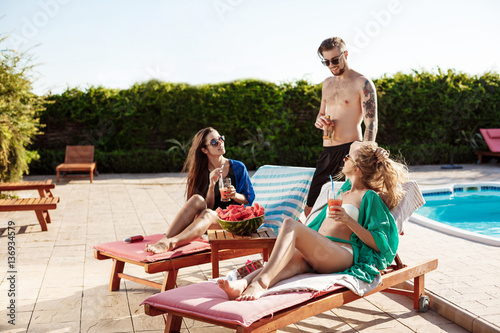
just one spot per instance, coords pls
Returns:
(282, 191)
(79, 154)
(412, 200)
(492, 138)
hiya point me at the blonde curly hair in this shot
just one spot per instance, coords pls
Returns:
(385, 178)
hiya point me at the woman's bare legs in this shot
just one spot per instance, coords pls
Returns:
(315, 250)
(190, 223)
(186, 215)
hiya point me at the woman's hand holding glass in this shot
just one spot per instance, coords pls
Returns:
(338, 214)
(231, 192)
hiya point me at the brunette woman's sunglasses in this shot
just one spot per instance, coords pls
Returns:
(216, 142)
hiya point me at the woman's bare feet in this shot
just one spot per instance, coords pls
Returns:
(163, 245)
(233, 289)
(253, 292)
(240, 290)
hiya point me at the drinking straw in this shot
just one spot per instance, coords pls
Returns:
(331, 180)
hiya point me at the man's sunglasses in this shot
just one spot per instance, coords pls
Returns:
(216, 142)
(334, 61)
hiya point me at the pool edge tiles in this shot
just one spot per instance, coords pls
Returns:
(457, 232)
(458, 190)
(462, 188)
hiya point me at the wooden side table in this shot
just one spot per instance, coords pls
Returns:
(221, 239)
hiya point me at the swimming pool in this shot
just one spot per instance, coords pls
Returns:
(470, 211)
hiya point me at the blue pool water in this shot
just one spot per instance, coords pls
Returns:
(473, 209)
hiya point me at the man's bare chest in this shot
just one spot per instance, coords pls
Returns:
(341, 95)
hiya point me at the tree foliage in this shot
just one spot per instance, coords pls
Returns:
(19, 113)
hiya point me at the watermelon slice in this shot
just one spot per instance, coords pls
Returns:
(240, 212)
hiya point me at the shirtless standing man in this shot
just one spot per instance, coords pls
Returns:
(348, 97)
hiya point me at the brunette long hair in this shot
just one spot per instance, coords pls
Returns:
(197, 165)
(385, 178)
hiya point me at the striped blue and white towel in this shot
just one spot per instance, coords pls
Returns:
(282, 191)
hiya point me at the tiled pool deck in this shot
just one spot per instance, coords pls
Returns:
(62, 288)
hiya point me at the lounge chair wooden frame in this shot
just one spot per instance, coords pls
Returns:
(43, 187)
(170, 266)
(78, 159)
(39, 205)
(394, 275)
(44, 190)
(480, 155)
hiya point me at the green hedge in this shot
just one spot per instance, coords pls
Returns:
(423, 116)
(446, 107)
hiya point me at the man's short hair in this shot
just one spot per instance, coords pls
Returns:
(331, 43)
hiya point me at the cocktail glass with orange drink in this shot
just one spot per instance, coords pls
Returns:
(225, 189)
(334, 199)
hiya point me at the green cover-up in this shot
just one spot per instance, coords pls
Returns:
(375, 217)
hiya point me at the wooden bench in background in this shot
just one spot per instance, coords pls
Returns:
(43, 187)
(39, 205)
(78, 159)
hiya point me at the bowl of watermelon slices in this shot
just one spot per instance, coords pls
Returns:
(241, 219)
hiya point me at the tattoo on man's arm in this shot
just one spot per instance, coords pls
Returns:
(369, 105)
(370, 132)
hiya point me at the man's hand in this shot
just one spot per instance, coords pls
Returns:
(322, 121)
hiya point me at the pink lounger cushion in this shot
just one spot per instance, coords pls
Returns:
(136, 250)
(492, 138)
(208, 300)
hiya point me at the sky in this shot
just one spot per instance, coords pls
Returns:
(117, 43)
